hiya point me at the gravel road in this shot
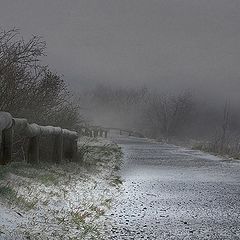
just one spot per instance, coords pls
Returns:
(173, 193)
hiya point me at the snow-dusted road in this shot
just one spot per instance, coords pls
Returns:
(174, 193)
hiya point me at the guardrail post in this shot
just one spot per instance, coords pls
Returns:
(66, 148)
(69, 148)
(105, 134)
(57, 148)
(33, 150)
(74, 148)
(7, 145)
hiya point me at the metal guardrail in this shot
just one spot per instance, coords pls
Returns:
(65, 141)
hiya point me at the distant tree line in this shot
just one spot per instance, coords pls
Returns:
(156, 115)
(178, 117)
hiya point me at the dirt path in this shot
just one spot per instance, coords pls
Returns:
(174, 193)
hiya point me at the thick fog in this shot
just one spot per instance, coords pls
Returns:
(168, 45)
(95, 96)
(166, 68)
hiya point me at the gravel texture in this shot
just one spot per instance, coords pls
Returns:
(173, 193)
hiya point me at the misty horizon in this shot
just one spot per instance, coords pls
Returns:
(170, 46)
(119, 119)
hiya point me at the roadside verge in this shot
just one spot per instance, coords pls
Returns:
(66, 201)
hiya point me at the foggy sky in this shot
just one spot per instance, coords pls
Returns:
(166, 44)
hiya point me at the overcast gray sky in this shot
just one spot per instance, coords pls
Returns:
(169, 44)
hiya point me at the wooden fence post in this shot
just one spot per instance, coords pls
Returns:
(70, 149)
(57, 148)
(105, 134)
(7, 145)
(66, 148)
(33, 150)
(74, 151)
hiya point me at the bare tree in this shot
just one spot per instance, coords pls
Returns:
(27, 87)
(225, 125)
(222, 137)
(169, 114)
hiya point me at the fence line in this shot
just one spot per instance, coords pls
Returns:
(97, 131)
(65, 141)
(126, 131)
(94, 131)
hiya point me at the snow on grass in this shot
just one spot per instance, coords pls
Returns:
(66, 201)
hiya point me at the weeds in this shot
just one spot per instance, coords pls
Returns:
(7, 192)
(107, 203)
(79, 218)
(230, 149)
(67, 195)
(12, 197)
(3, 172)
(49, 179)
(116, 181)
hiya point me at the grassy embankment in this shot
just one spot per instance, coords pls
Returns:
(66, 201)
(228, 151)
